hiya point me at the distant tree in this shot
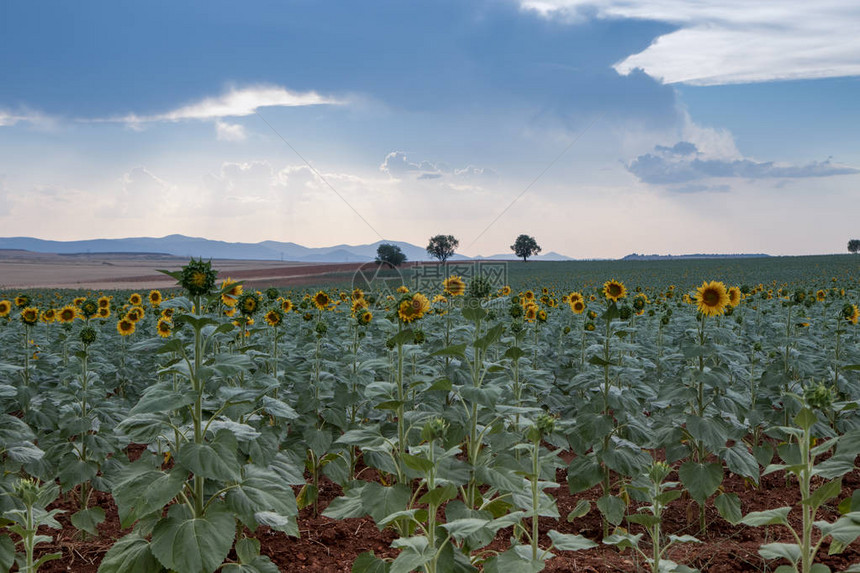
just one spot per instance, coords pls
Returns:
(387, 253)
(525, 246)
(442, 247)
(854, 246)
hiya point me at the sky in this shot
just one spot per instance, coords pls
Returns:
(599, 127)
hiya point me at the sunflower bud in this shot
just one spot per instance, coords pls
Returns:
(197, 277)
(88, 335)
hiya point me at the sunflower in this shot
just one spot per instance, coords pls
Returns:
(505, 290)
(851, 313)
(531, 312)
(529, 295)
(88, 308)
(357, 294)
(22, 300)
(229, 312)
(413, 308)
(198, 278)
(30, 315)
(230, 291)
(249, 303)
(577, 306)
(125, 327)
(541, 315)
(5, 308)
(135, 314)
(820, 295)
(712, 298)
(48, 316)
(79, 300)
(321, 300)
(67, 314)
(286, 306)
(104, 302)
(573, 297)
(155, 298)
(454, 286)
(274, 317)
(403, 289)
(734, 296)
(164, 327)
(135, 299)
(614, 290)
(365, 317)
(439, 299)
(104, 312)
(358, 305)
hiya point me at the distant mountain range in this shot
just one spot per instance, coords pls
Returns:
(182, 246)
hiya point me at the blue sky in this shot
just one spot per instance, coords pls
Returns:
(610, 127)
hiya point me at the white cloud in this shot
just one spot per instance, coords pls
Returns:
(732, 41)
(397, 165)
(35, 118)
(230, 131)
(235, 103)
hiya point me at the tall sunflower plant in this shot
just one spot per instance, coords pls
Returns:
(185, 515)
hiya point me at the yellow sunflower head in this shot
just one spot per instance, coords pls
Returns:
(30, 315)
(531, 312)
(125, 327)
(104, 302)
(321, 300)
(67, 314)
(135, 314)
(230, 291)
(104, 312)
(413, 307)
(79, 300)
(454, 286)
(505, 290)
(529, 295)
(358, 305)
(248, 303)
(274, 317)
(712, 298)
(573, 297)
(135, 299)
(577, 306)
(357, 294)
(403, 289)
(155, 298)
(365, 317)
(614, 290)
(22, 300)
(5, 308)
(286, 306)
(820, 295)
(164, 327)
(734, 296)
(48, 316)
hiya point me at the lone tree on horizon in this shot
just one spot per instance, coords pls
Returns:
(525, 246)
(388, 253)
(442, 247)
(854, 246)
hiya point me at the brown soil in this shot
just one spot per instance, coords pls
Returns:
(332, 545)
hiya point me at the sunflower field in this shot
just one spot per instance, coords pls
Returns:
(649, 419)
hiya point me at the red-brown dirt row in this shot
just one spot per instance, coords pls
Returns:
(328, 545)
